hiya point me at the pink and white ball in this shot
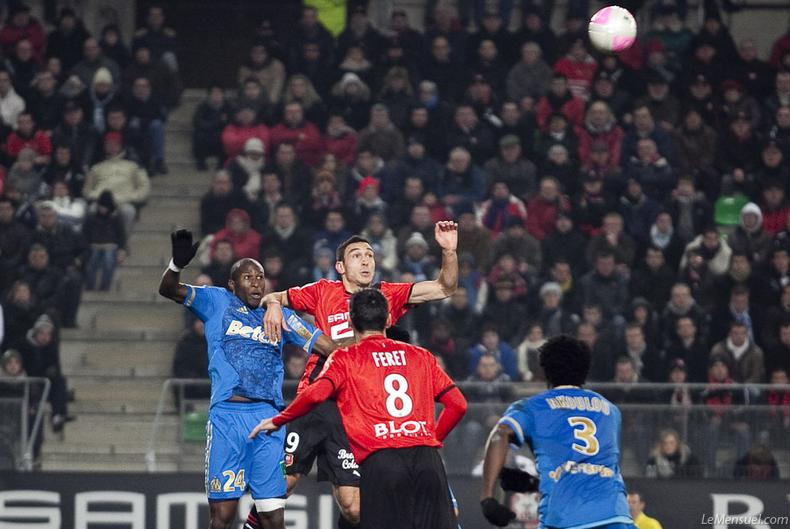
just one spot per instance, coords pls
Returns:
(612, 29)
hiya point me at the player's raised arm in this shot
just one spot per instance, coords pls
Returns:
(183, 251)
(324, 346)
(273, 320)
(497, 448)
(446, 235)
(305, 401)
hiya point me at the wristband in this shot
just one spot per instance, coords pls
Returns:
(173, 268)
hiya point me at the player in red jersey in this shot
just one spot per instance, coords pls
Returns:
(320, 435)
(385, 391)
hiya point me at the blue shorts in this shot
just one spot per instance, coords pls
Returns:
(235, 463)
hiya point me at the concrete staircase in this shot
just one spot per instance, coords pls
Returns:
(118, 358)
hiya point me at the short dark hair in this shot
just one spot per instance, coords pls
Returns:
(341, 250)
(565, 361)
(240, 264)
(368, 310)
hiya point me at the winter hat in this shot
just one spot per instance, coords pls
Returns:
(416, 238)
(102, 75)
(42, 322)
(348, 78)
(367, 182)
(253, 145)
(753, 208)
(551, 287)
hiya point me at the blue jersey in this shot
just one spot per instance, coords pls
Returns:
(242, 359)
(574, 434)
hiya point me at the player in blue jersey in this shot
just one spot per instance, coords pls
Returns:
(246, 372)
(574, 434)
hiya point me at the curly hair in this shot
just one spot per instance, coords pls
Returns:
(565, 361)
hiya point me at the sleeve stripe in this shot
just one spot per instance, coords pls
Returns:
(308, 345)
(444, 391)
(191, 299)
(511, 423)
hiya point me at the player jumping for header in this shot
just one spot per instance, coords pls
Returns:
(385, 391)
(574, 434)
(320, 435)
(246, 371)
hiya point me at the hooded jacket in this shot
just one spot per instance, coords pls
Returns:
(756, 243)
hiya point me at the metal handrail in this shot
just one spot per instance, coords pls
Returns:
(27, 443)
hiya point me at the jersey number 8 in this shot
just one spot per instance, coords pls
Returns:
(585, 434)
(398, 402)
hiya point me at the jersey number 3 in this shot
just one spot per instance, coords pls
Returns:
(398, 402)
(584, 430)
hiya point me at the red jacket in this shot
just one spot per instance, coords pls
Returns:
(307, 139)
(39, 142)
(343, 147)
(234, 137)
(247, 244)
(613, 139)
(781, 45)
(572, 109)
(10, 35)
(541, 215)
(775, 221)
(580, 75)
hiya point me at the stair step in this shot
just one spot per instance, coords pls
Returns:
(118, 408)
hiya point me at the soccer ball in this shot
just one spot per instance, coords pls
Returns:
(612, 29)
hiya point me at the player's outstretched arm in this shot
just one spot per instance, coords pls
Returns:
(273, 320)
(308, 399)
(497, 447)
(454, 410)
(446, 235)
(183, 251)
(324, 346)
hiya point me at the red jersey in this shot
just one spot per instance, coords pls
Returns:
(327, 301)
(385, 391)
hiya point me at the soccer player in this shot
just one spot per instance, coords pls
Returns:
(320, 435)
(246, 371)
(385, 391)
(574, 434)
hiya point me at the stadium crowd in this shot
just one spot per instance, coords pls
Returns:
(638, 201)
(81, 130)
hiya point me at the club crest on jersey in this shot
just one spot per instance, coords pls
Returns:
(215, 485)
(237, 328)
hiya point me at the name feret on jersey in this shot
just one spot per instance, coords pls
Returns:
(328, 301)
(385, 393)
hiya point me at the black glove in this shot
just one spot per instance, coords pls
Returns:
(516, 480)
(183, 248)
(496, 513)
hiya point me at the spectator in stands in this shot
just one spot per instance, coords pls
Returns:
(238, 230)
(638, 211)
(106, 238)
(559, 100)
(612, 238)
(513, 168)
(384, 243)
(651, 169)
(269, 71)
(737, 155)
(128, 181)
(103, 97)
(553, 318)
(92, 60)
(289, 237)
(579, 67)
(779, 402)
(397, 95)
(11, 105)
(564, 244)
(687, 345)
(246, 168)
(602, 357)
(648, 361)
(605, 285)
(41, 358)
(78, 134)
(600, 126)
(530, 76)
(14, 241)
(70, 210)
(21, 25)
(652, 279)
(244, 127)
(775, 208)
(713, 248)
(165, 83)
(160, 39)
(23, 68)
(113, 46)
(44, 102)
(333, 233)
(147, 120)
(672, 458)
(415, 260)
(25, 178)
(340, 140)
(303, 135)
(689, 209)
(744, 358)
(218, 201)
(491, 345)
(252, 95)
(381, 137)
(544, 208)
(299, 89)
(495, 212)
(506, 315)
(524, 248)
(292, 170)
(461, 181)
(28, 136)
(191, 361)
(724, 412)
(778, 275)
(208, 122)
(20, 310)
(221, 262)
(750, 237)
